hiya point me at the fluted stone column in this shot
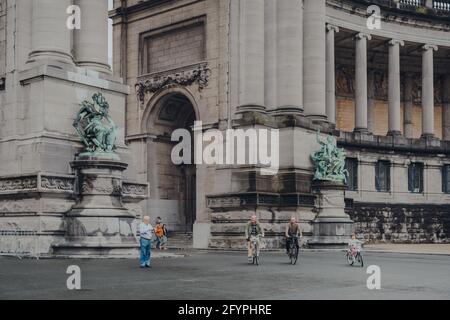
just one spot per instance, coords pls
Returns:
(371, 101)
(409, 108)
(394, 94)
(270, 55)
(331, 74)
(446, 109)
(251, 56)
(51, 39)
(361, 82)
(290, 56)
(428, 90)
(314, 59)
(91, 41)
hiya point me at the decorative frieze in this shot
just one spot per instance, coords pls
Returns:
(18, 183)
(228, 201)
(101, 186)
(223, 202)
(345, 84)
(37, 183)
(199, 74)
(134, 189)
(57, 183)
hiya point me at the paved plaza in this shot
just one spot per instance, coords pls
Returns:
(228, 276)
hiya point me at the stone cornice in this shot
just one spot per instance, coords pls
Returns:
(398, 144)
(419, 12)
(75, 75)
(223, 202)
(46, 183)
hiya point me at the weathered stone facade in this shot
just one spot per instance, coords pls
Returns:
(267, 64)
(47, 70)
(296, 66)
(402, 223)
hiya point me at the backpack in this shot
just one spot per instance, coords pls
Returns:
(159, 231)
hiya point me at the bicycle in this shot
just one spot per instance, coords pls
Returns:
(354, 256)
(255, 249)
(293, 250)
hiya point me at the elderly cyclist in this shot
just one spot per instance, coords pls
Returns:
(293, 233)
(253, 229)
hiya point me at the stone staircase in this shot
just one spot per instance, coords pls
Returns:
(180, 241)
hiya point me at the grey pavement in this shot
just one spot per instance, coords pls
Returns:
(440, 249)
(228, 276)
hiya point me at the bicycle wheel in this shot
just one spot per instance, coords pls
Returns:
(256, 254)
(294, 255)
(350, 259)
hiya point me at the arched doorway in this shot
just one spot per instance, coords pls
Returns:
(172, 187)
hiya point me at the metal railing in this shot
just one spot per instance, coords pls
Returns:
(423, 6)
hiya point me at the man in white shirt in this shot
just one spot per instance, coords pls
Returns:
(146, 235)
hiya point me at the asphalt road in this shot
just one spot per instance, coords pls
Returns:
(228, 276)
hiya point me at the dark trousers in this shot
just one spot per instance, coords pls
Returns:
(288, 243)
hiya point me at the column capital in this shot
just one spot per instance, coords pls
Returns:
(427, 47)
(394, 42)
(362, 35)
(332, 27)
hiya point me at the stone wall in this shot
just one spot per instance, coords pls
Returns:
(176, 46)
(402, 223)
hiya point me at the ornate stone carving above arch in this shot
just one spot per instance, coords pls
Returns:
(196, 74)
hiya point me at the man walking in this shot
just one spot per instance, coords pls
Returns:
(146, 235)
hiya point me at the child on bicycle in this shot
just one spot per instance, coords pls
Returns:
(354, 244)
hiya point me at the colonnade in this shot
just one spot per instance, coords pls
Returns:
(287, 65)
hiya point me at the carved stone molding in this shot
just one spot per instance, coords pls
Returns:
(134, 189)
(223, 202)
(199, 74)
(18, 183)
(57, 183)
(228, 201)
(92, 185)
(37, 183)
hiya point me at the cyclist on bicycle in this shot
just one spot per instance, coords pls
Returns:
(293, 233)
(355, 243)
(253, 229)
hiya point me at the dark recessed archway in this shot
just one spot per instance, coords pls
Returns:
(173, 187)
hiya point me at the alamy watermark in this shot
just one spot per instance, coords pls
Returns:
(73, 22)
(374, 280)
(257, 147)
(74, 280)
(374, 20)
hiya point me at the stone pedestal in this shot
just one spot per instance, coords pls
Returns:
(332, 226)
(99, 224)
